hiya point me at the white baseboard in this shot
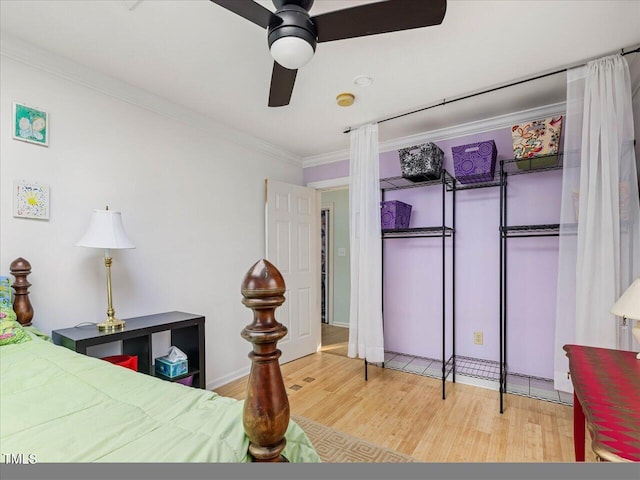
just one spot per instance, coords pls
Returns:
(218, 382)
(460, 378)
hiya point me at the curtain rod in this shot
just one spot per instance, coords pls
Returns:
(446, 102)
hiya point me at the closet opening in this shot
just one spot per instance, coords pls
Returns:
(334, 270)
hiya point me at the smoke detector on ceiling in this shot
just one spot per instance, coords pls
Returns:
(363, 80)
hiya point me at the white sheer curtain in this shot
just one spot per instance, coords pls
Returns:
(365, 317)
(600, 257)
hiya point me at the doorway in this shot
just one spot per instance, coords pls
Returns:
(292, 218)
(326, 263)
(335, 270)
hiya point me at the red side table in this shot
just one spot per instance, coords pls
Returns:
(606, 395)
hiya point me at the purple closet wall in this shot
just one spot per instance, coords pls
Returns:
(413, 274)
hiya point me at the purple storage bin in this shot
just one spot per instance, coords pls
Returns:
(188, 381)
(395, 214)
(475, 162)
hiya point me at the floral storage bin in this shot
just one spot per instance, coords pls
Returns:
(475, 162)
(539, 138)
(421, 162)
(395, 214)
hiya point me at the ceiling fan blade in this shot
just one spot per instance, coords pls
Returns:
(250, 10)
(282, 80)
(379, 17)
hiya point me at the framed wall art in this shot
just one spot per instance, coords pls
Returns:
(31, 200)
(30, 124)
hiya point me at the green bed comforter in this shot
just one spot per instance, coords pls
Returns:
(65, 407)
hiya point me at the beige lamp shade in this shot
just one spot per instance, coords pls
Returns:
(105, 231)
(628, 305)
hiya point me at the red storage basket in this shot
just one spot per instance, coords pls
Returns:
(127, 361)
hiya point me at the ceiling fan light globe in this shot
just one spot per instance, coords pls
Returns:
(291, 52)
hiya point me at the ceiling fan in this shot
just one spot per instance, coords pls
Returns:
(293, 33)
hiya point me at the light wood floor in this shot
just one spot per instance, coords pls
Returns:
(406, 413)
(335, 339)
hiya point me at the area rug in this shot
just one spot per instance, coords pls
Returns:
(338, 447)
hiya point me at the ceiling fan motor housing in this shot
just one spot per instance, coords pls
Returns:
(292, 34)
(306, 4)
(296, 22)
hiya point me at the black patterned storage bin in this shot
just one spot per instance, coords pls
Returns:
(395, 214)
(421, 162)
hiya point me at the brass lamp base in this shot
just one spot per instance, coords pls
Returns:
(111, 324)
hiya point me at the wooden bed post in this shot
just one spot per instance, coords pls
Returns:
(266, 406)
(20, 269)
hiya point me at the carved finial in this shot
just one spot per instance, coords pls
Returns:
(261, 278)
(20, 269)
(266, 406)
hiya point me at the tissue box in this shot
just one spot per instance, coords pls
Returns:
(475, 162)
(395, 214)
(421, 162)
(171, 369)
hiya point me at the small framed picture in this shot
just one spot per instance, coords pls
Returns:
(30, 124)
(31, 200)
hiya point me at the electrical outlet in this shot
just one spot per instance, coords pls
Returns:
(477, 338)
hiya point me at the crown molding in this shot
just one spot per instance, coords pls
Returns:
(330, 184)
(471, 128)
(18, 50)
(325, 158)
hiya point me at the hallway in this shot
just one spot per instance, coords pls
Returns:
(335, 340)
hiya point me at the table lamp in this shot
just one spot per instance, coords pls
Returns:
(628, 306)
(106, 231)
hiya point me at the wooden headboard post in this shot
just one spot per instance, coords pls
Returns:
(20, 269)
(266, 407)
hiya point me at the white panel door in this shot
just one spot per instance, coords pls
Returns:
(292, 218)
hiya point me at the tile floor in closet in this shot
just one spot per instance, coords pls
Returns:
(517, 384)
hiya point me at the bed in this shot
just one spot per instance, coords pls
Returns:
(60, 406)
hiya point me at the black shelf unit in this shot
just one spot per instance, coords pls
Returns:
(443, 231)
(494, 182)
(186, 330)
(542, 230)
(508, 168)
(418, 232)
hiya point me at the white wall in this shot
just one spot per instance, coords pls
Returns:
(192, 202)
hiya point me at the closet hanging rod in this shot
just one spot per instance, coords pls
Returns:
(446, 102)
